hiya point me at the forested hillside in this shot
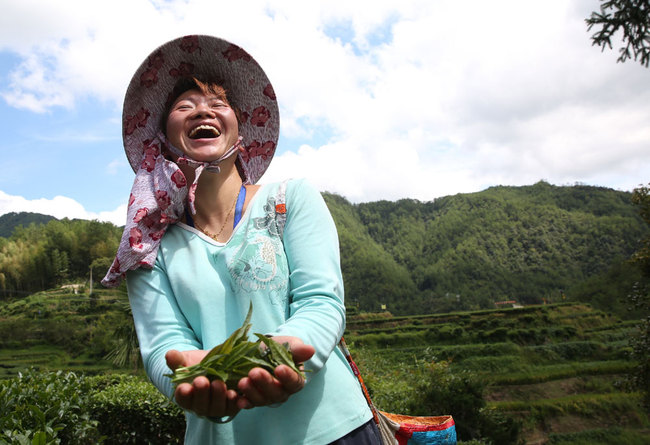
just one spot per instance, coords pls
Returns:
(529, 244)
(467, 251)
(42, 256)
(11, 220)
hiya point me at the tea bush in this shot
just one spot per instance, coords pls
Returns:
(46, 408)
(65, 408)
(504, 363)
(574, 350)
(132, 411)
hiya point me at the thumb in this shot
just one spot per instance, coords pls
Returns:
(175, 359)
(299, 350)
(302, 352)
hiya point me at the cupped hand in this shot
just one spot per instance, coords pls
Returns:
(262, 388)
(205, 398)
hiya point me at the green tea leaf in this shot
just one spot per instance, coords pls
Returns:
(234, 358)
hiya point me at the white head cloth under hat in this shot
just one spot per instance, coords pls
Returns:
(160, 191)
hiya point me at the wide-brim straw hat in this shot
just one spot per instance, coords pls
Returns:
(206, 58)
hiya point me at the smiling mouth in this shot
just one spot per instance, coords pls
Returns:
(204, 132)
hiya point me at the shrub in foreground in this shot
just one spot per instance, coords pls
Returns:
(132, 411)
(65, 408)
(46, 408)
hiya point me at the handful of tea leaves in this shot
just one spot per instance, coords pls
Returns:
(233, 359)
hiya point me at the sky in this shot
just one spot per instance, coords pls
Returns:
(379, 99)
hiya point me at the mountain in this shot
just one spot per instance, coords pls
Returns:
(530, 244)
(9, 221)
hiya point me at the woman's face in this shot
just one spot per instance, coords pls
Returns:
(202, 126)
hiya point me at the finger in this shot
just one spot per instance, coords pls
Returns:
(183, 395)
(231, 402)
(290, 380)
(250, 392)
(246, 389)
(201, 396)
(243, 403)
(261, 388)
(175, 359)
(217, 407)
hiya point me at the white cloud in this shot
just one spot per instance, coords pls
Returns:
(113, 167)
(58, 207)
(409, 99)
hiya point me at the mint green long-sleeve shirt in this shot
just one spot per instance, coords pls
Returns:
(199, 292)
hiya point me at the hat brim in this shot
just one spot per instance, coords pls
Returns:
(207, 58)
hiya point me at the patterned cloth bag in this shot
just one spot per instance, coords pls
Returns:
(397, 429)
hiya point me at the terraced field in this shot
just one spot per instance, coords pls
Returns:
(559, 369)
(59, 330)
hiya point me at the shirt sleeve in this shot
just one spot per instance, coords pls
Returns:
(316, 310)
(159, 322)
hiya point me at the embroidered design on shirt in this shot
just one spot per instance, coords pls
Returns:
(268, 220)
(260, 262)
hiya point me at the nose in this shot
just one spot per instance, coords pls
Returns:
(202, 109)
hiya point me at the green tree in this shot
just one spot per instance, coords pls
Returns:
(632, 18)
(640, 300)
(41, 256)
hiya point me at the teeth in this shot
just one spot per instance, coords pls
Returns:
(209, 128)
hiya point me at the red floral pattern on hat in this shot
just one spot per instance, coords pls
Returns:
(260, 116)
(269, 92)
(156, 60)
(190, 44)
(234, 53)
(150, 76)
(256, 149)
(184, 69)
(138, 120)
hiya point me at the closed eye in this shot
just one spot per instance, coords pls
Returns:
(184, 107)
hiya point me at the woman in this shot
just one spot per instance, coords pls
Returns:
(202, 242)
